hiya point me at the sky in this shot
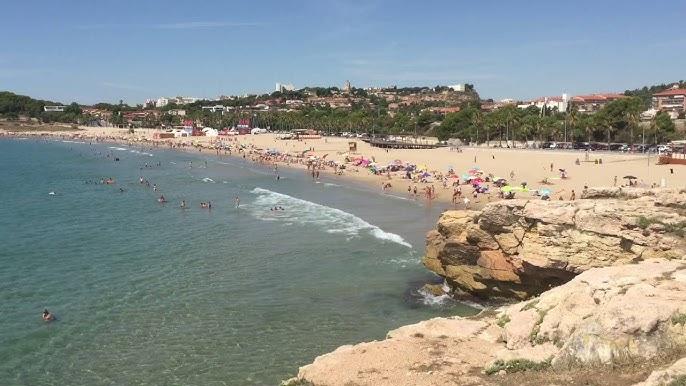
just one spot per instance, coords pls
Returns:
(89, 51)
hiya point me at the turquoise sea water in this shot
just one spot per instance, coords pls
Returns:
(152, 294)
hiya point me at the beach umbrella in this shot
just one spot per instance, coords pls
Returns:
(506, 189)
(398, 162)
(630, 177)
(544, 191)
(425, 174)
(422, 167)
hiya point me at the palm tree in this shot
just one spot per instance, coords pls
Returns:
(477, 120)
(572, 118)
(633, 120)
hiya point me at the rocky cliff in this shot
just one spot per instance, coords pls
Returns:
(631, 318)
(520, 248)
(605, 280)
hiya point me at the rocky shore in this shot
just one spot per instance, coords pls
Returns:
(520, 248)
(605, 286)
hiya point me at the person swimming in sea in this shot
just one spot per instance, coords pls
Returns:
(162, 200)
(183, 204)
(47, 316)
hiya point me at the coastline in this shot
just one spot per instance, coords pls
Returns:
(539, 169)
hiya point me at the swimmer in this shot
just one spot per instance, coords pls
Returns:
(162, 200)
(183, 204)
(47, 316)
(121, 190)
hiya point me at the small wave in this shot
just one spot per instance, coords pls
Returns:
(67, 141)
(332, 219)
(172, 162)
(430, 299)
(207, 179)
(117, 148)
(140, 152)
(398, 197)
(331, 184)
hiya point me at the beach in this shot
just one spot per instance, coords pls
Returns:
(537, 169)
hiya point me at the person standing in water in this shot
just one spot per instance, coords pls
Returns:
(183, 204)
(47, 316)
(237, 202)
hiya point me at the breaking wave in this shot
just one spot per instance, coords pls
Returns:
(332, 219)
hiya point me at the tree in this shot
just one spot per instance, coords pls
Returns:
(662, 127)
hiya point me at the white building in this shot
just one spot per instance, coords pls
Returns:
(457, 87)
(284, 87)
(161, 102)
(177, 112)
(53, 109)
(214, 109)
(181, 100)
(552, 102)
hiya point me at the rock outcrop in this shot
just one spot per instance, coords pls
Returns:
(614, 316)
(520, 248)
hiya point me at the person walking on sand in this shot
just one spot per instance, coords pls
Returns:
(551, 166)
(615, 183)
(572, 197)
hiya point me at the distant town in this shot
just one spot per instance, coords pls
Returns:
(452, 111)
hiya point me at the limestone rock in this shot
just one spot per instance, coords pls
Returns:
(610, 315)
(669, 376)
(520, 248)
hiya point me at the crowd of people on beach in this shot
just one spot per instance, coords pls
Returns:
(461, 190)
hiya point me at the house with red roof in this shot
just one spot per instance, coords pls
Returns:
(591, 103)
(672, 100)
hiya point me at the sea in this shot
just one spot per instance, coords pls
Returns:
(148, 293)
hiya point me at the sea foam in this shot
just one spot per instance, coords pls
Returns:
(332, 219)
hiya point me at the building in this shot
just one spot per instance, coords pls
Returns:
(672, 101)
(213, 109)
(457, 87)
(550, 102)
(179, 100)
(161, 102)
(53, 109)
(347, 87)
(177, 112)
(284, 87)
(591, 103)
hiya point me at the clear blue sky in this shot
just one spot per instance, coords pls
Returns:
(101, 50)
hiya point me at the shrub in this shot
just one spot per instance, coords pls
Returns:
(518, 365)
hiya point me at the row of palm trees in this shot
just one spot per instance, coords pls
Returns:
(508, 124)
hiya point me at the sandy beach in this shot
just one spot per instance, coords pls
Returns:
(582, 169)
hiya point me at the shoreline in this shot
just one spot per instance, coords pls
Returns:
(533, 169)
